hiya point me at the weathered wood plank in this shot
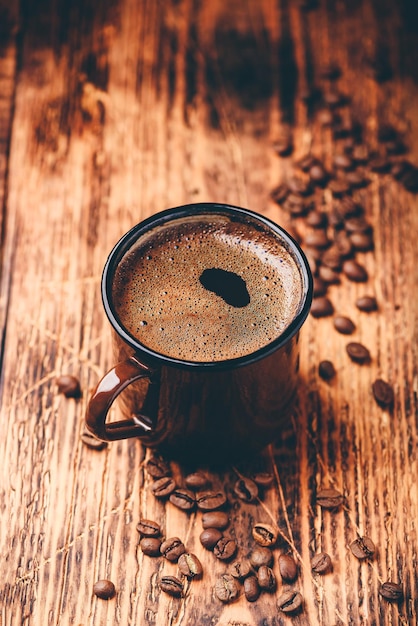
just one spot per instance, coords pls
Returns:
(122, 109)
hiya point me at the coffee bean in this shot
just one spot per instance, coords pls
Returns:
(163, 487)
(343, 161)
(279, 193)
(211, 500)
(332, 258)
(360, 154)
(357, 352)
(357, 225)
(266, 578)
(210, 537)
(395, 148)
(263, 479)
(317, 219)
(226, 588)
(344, 325)
(299, 186)
(329, 498)
(363, 548)
(290, 601)
(320, 287)
(321, 563)
(328, 275)
(157, 467)
(148, 528)
(296, 205)
(261, 556)
(225, 549)
(104, 589)
(150, 546)
(410, 180)
(197, 480)
(172, 548)
(318, 174)
(317, 239)
(215, 519)
(246, 489)
(392, 592)
(339, 188)
(68, 385)
(264, 534)
(306, 162)
(354, 271)
(363, 242)
(183, 499)
(288, 568)
(343, 245)
(379, 164)
(383, 393)
(357, 180)
(326, 370)
(241, 569)
(326, 117)
(190, 566)
(333, 98)
(330, 72)
(171, 585)
(366, 303)
(251, 588)
(321, 307)
(399, 169)
(91, 441)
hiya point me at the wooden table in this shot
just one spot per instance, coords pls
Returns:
(109, 112)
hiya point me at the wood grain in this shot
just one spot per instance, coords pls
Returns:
(109, 112)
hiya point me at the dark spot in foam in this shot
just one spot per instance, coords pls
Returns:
(228, 285)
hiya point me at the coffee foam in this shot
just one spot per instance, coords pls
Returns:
(161, 301)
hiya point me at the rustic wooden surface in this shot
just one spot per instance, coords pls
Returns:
(110, 111)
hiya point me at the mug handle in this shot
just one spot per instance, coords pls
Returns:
(106, 391)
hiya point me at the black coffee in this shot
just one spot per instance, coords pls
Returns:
(206, 288)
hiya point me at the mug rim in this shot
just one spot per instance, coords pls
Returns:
(162, 217)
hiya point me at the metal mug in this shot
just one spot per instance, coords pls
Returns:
(199, 411)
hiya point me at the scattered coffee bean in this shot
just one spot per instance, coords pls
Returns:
(354, 271)
(171, 585)
(317, 239)
(321, 563)
(363, 548)
(226, 588)
(196, 481)
(343, 161)
(318, 174)
(210, 537)
(288, 568)
(330, 72)
(383, 393)
(344, 325)
(104, 589)
(363, 242)
(333, 98)
(68, 385)
(150, 546)
(264, 534)
(343, 244)
(225, 549)
(321, 307)
(215, 519)
(266, 578)
(163, 487)
(263, 479)
(211, 500)
(339, 188)
(261, 556)
(241, 569)
(399, 169)
(356, 180)
(366, 303)
(306, 162)
(392, 592)
(410, 180)
(172, 548)
(157, 467)
(251, 588)
(332, 258)
(360, 154)
(328, 275)
(91, 441)
(148, 528)
(246, 489)
(279, 193)
(326, 370)
(357, 352)
(290, 601)
(299, 186)
(329, 498)
(317, 219)
(320, 287)
(357, 225)
(379, 164)
(190, 566)
(183, 499)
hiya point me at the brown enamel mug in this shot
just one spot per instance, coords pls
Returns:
(206, 302)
